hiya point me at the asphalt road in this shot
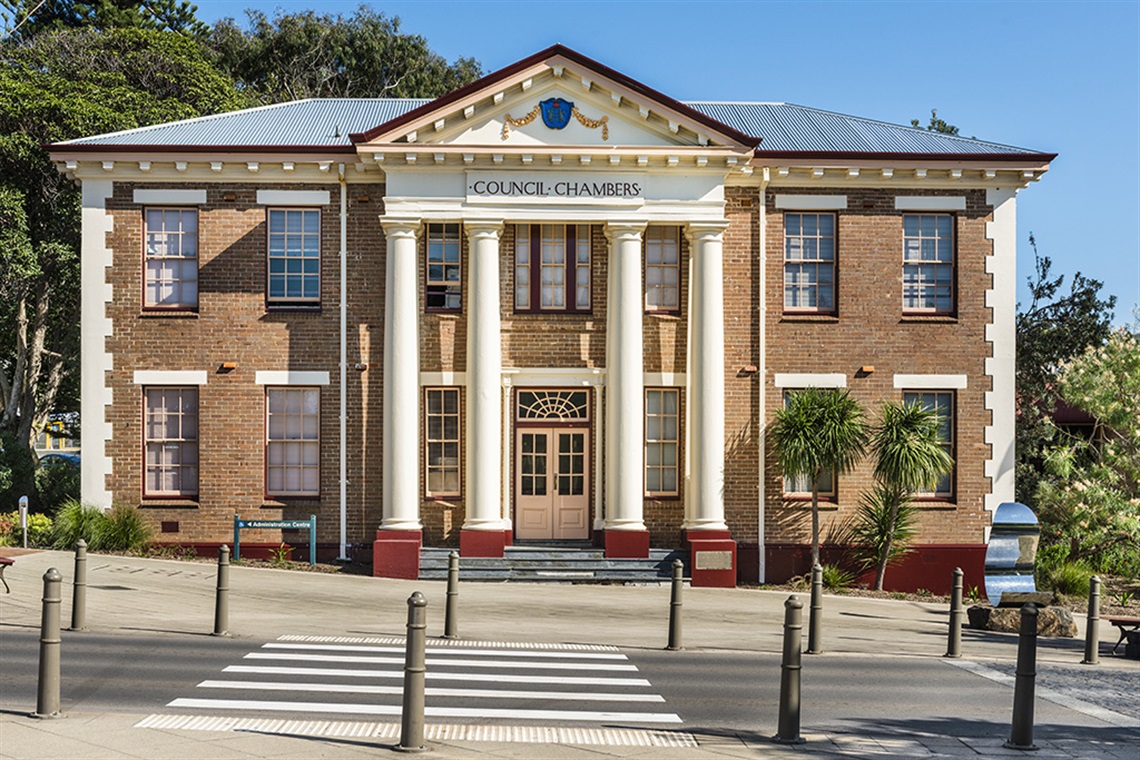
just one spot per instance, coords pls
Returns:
(710, 693)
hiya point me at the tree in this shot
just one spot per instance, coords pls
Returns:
(56, 86)
(818, 430)
(27, 18)
(908, 457)
(1055, 326)
(1090, 497)
(310, 55)
(936, 124)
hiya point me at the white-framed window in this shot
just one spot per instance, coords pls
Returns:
(171, 258)
(444, 272)
(292, 441)
(809, 262)
(170, 430)
(294, 256)
(663, 269)
(799, 486)
(442, 442)
(552, 267)
(942, 404)
(928, 263)
(662, 442)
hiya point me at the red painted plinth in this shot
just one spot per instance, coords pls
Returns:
(712, 558)
(396, 554)
(482, 543)
(627, 544)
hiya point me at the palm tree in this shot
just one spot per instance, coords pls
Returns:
(818, 430)
(908, 457)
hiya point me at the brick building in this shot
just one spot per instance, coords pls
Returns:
(553, 305)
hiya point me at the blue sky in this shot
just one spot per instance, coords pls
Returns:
(1057, 77)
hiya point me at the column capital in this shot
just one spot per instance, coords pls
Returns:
(401, 226)
(624, 231)
(698, 232)
(483, 229)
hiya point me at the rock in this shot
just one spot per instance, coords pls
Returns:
(1019, 598)
(1051, 621)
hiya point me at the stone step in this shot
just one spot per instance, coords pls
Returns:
(575, 563)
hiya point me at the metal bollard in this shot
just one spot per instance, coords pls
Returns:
(222, 598)
(675, 606)
(788, 731)
(415, 667)
(79, 588)
(1021, 732)
(954, 644)
(451, 611)
(1092, 626)
(47, 695)
(815, 619)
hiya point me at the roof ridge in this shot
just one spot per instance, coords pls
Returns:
(207, 117)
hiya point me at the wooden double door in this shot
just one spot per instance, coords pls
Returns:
(552, 483)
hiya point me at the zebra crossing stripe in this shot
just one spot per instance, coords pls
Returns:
(430, 675)
(573, 735)
(437, 661)
(430, 712)
(400, 641)
(443, 650)
(341, 688)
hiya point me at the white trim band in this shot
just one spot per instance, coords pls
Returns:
(664, 379)
(291, 378)
(293, 197)
(931, 382)
(812, 202)
(171, 197)
(443, 378)
(810, 380)
(170, 377)
(930, 203)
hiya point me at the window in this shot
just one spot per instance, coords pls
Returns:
(442, 441)
(443, 271)
(928, 263)
(809, 262)
(662, 269)
(294, 256)
(662, 442)
(171, 259)
(293, 442)
(552, 267)
(171, 442)
(799, 486)
(942, 404)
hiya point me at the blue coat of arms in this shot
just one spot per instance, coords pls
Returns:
(556, 112)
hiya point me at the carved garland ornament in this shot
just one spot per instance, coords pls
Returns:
(556, 114)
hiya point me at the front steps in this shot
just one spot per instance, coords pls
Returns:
(555, 563)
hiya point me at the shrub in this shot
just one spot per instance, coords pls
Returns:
(835, 577)
(122, 529)
(1070, 579)
(39, 530)
(75, 520)
(9, 526)
(56, 484)
(871, 531)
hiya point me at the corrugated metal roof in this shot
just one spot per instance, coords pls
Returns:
(329, 122)
(786, 126)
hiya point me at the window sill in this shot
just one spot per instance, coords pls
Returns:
(292, 309)
(671, 497)
(172, 502)
(277, 502)
(438, 498)
(168, 314)
(806, 317)
(453, 313)
(938, 319)
(823, 500)
(932, 502)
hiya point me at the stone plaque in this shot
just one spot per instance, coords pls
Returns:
(714, 560)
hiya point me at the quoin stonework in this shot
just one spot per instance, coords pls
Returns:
(552, 306)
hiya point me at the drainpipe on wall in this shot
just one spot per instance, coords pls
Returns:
(343, 364)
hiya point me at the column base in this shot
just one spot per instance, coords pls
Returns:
(396, 554)
(627, 544)
(483, 543)
(712, 555)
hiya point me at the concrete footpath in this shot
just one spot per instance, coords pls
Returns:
(133, 597)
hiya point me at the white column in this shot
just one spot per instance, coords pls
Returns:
(1001, 334)
(625, 402)
(484, 379)
(95, 329)
(401, 509)
(704, 507)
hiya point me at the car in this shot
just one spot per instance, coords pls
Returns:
(60, 459)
